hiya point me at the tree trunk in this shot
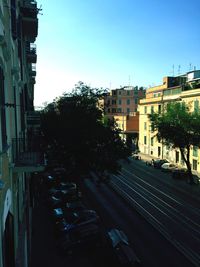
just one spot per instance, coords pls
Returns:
(187, 162)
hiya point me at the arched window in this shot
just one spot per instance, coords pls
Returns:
(3, 134)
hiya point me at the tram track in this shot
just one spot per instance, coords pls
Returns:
(163, 211)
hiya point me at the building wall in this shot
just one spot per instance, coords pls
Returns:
(150, 145)
(16, 91)
(124, 100)
(132, 124)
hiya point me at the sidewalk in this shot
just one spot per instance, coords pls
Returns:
(145, 157)
(182, 185)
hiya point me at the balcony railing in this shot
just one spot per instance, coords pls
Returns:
(32, 70)
(26, 155)
(33, 119)
(31, 52)
(29, 13)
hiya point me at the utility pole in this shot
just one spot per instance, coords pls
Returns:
(162, 108)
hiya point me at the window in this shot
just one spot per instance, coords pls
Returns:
(136, 101)
(145, 140)
(128, 101)
(108, 110)
(128, 92)
(119, 101)
(145, 109)
(128, 110)
(196, 105)
(2, 111)
(152, 109)
(151, 141)
(159, 151)
(119, 110)
(136, 92)
(119, 92)
(159, 109)
(195, 151)
(113, 110)
(152, 128)
(177, 156)
(113, 102)
(194, 164)
(0, 166)
(145, 126)
(13, 19)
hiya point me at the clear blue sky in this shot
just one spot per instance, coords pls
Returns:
(109, 43)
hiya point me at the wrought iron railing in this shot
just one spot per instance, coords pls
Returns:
(27, 152)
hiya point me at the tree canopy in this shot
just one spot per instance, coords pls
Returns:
(75, 133)
(179, 127)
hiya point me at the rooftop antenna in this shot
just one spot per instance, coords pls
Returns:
(190, 67)
(194, 67)
(179, 69)
(173, 70)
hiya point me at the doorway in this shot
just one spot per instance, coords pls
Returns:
(8, 242)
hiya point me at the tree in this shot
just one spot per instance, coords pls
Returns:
(75, 132)
(179, 127)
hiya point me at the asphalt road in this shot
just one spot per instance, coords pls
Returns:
(171, 206)
(153, 249)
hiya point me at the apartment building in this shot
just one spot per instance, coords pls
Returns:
(121, 105)
(181, 88)
(123, 100)
(19, 155)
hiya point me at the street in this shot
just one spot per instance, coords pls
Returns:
(170, 206)
(159, 215)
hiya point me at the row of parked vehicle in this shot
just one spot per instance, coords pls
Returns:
(176, 171)
(78, 227)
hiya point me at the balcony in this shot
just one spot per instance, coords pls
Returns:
(32, 70)
(33, 119)
(26, 155)
(31, 53)
(29, 13)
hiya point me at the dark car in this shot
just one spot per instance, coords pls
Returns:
(70, 187)
(123, 252)
(49, 180)
(62, 212)
(74, 220)
(83, 238)
(135, 156)
(159, 162)
(61, 197)
(180, 173)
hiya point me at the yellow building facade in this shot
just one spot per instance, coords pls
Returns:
(185, 89)
(18, 31)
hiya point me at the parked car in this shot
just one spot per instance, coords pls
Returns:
(49, 180)
(70, 187)
(168, 167)
(135, 156)
(75, 220)
(84, 238)
(122, 250)
(159, 162)
(180, 173)
(62, 212)
(60, 197)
